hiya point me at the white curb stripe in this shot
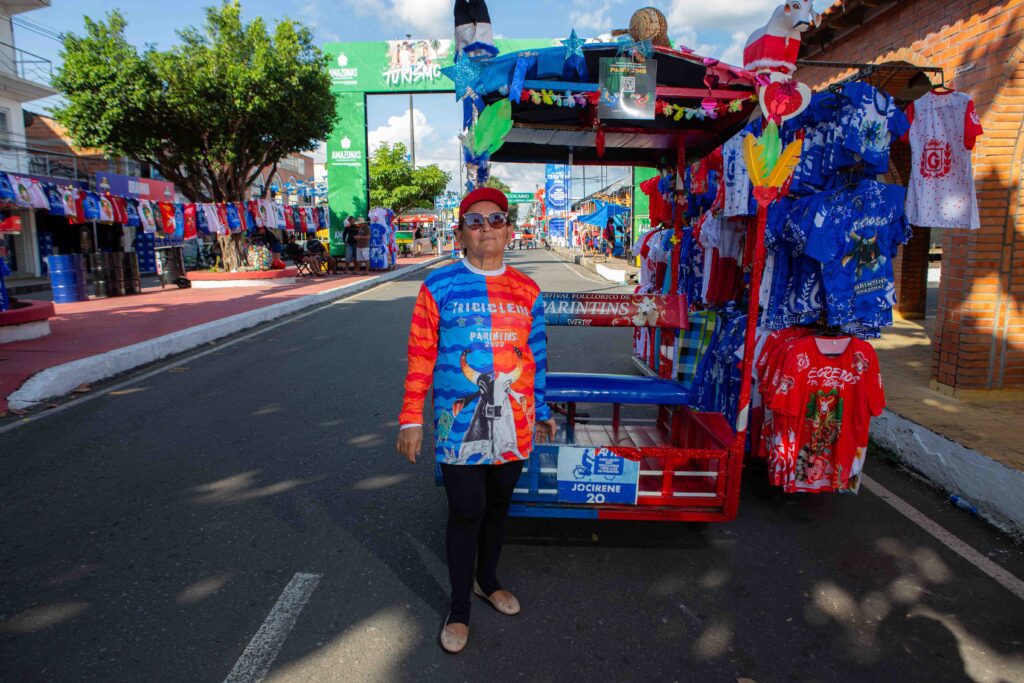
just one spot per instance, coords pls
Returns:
(1003, 577)
(259, 655)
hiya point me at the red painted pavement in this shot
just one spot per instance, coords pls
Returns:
(96, 326)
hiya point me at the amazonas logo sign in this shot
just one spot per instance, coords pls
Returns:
(343, 74)
(346, 156)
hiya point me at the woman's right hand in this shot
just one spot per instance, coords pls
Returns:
(410, 440)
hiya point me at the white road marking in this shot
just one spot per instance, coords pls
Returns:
(574, 271)
(1003, 577)
(259, 655)
(217, 346)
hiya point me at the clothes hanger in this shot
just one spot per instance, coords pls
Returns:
(942, 88)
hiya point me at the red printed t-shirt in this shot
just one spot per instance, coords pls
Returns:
(823, 407)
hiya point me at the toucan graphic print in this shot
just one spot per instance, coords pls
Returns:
(492, 430)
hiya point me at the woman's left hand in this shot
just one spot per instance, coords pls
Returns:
(546, 430)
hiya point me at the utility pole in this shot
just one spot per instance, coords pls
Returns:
(412, 125)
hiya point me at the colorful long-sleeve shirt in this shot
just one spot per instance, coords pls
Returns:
(478, 338)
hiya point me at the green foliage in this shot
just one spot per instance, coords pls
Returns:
(394, 183)
(498, 184)
(229, 101)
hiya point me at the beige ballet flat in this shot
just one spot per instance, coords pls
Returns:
(509, 605)
(451, 642)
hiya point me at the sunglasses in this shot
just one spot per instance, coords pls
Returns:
(475, 221)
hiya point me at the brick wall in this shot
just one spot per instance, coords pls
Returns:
(979, 344)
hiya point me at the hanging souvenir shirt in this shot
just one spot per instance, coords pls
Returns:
(69, 198)
(478, 338)
(736, 177)
(309, 219)
(243, 218)
(818, 123)
(289, 220)
(179, 221)
(222, 217)
(321, 218)
(942, 134)
(233, 221)
(90, 206)
(823, 405)
(378, 247)
(53, 199)
(267, 216)
(191, 227)
(7, 192)
(855, 237)
(202, 223)
(209, 212)
(120, 207)
(656, 202)
(166, 217)
(148, 216)
(106, 210)
(280, 216)
(870, 120)
(23, 190)
(303, 224)
(131, 209)
(254, 210)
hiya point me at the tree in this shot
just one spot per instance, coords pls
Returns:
(498, 184)
(212, 113)
(394, 183)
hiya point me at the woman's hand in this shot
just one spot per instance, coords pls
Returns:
(546, 430)
(409, 442)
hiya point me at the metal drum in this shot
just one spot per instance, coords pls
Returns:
(67, 278)
(132, 277)
(107, 274)
(170, 265)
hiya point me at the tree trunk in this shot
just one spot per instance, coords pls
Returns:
(231, 254)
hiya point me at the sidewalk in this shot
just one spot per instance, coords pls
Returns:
(611, 269)
(970, 448)
(99, 338)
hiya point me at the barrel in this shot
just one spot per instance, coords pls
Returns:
(132, 277)
(170, 264)
(67, 278)
(107, 274)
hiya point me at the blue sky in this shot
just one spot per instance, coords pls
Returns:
(715, 28)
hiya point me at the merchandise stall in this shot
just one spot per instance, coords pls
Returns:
(768, 270)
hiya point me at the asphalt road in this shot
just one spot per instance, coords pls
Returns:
(147, 534)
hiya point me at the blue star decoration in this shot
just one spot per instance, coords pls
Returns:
(573, 45)
(465, 73)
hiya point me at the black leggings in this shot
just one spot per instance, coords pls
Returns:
(478, 501)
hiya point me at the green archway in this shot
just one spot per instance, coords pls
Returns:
(384, 67)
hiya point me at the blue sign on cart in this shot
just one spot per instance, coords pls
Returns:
(596, 475)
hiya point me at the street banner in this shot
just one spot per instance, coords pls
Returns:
(596, 475)
(347, 170)
(556, 187)
(627, 89)
(615, 310)
(412, 65)
(519, 197)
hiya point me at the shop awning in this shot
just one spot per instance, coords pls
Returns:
(601, 216)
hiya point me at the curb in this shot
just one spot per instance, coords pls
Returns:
(62, 379)
(997, 491)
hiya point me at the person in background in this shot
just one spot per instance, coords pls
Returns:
(488, 398)
(317, 250)
(609, 238)
(267, 238)
(362, 238)
(297, 255)
(350, 243)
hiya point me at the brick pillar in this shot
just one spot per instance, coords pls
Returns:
(911, 271)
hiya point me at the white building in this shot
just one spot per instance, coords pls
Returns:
(24, 77)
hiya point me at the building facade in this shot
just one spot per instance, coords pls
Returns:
(978, 47)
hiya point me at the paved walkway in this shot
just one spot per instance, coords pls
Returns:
(989, 427)
(96, 326)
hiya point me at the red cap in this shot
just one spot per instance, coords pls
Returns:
(484, 194)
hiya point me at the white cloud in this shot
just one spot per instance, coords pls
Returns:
(519, 177)
(734, 53)
(397, 130)
(589, 17)
(734, 15)
(422, 18)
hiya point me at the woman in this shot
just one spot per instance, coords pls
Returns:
(477, 334)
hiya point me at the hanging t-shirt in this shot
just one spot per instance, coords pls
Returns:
(90, 206)
(822, 408)
(478, 338)
(213, 223)
(942, 134)
(736, 177)
(166, 217)
(191, 229)
(106, 209)
(131, 209)
(53, 199)
(147, 216)
(378, 247)
(869, 121)
(855, 237)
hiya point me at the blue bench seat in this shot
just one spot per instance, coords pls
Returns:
(579, 387)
